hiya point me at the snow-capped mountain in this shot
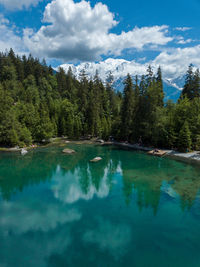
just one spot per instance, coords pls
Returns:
(119, 69)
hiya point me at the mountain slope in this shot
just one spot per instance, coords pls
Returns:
(119, 69)
(171, 92)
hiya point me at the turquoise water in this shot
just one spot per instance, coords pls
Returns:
(130, 209)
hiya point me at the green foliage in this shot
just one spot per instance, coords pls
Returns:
(12, 132)
(8, 73)
(24, 136)
(36, 104)
(192, 84)
(184, 138)
(127, 111)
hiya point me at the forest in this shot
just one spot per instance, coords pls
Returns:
(38, 103)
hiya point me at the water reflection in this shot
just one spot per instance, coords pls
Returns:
(146, 177)
(71, 187)
(114, 238)
(73, 178)
(54, 206)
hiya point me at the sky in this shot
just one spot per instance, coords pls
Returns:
(165, 33)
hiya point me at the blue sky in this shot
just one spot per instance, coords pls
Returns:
(63, 31)
(141, 13)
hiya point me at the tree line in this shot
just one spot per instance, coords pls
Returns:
(37, 103)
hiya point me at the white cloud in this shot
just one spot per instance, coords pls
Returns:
(183, 29)
(9, 39)
(18, 4)
(181, 40)
(175, 62)
(77, 31)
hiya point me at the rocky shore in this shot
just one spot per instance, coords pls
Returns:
(191, 157)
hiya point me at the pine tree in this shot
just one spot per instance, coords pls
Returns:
(61, 81)
(127, 109)
(159, 87)
(37, 103)
(196, 84)
(83, 93)
(188, 89)
(184, 138)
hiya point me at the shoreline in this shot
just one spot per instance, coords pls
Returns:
(62, 141)
(190, 157)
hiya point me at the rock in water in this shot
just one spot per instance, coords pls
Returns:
(96, 159)
(24, 151)
(68, 151)
(100, 141)
(157, 152)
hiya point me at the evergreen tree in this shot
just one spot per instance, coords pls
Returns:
(184, 138)
(38, 103)
(188, 89)
(196, 84)
(159, 87)
(127, 109)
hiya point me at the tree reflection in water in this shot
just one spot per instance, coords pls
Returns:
(140, 174)
(62, 210)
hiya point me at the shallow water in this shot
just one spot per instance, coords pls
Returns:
(130, 209)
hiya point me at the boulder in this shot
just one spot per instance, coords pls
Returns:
(68, 151)
(24, 151)
(101, 141)
(157, 152)
(96, 159)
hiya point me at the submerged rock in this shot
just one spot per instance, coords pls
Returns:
(68, 151)
(24, 151)
(96, 159)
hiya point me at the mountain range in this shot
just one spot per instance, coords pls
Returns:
(120, 68)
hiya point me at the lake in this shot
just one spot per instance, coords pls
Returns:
(129, 209)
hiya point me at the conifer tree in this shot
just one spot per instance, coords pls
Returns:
(159, 87)
(196, 84)
(184, 138)
(188, 89)
(127, 109)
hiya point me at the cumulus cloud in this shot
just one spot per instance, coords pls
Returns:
(9, 39)
(77, 31)
(182, 41)
(183, 29)
(18, 4)
(175, 62)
